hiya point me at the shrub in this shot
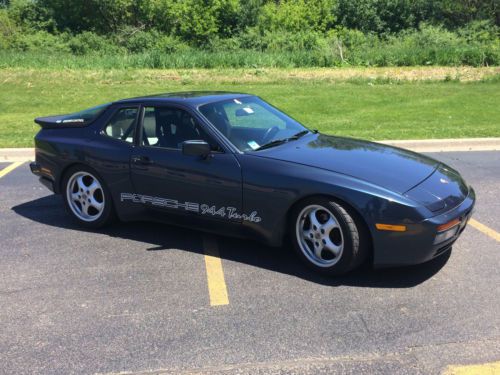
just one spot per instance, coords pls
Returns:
(169, 44)
(8, 29)
(430, 45)
(138, 40)
(298, 15)
(31, 15)
(280, 40)
(480, 31)
(39, 41)
(227, 44)
(198, 21)
(233, 33)
(89, 42)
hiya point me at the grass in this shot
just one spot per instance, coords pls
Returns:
(159, 60)
(392, 103)
(429, 48)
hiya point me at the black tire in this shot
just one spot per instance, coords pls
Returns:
(105, 216)
(353, 236)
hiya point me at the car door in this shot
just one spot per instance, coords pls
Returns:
(109, 147)
(166, 180)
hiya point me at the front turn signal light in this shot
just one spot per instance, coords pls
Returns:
(390, 227)
(448, 225)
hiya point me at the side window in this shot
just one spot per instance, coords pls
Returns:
(122, 125)
(169, 127)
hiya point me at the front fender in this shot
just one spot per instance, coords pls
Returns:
(272, 188)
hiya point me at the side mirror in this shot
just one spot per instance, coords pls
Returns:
(195, 148)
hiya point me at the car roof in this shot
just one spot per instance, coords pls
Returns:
(194, 98)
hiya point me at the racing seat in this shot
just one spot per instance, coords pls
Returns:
(176, 127)
(187, 130)
(165, 130)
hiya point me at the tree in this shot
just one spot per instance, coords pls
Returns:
(298, 15)
(457, 13)
(383, 16)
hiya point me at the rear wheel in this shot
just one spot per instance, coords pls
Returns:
(326, 236)
(86, 197)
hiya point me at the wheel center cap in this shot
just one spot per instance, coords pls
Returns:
(317, 236)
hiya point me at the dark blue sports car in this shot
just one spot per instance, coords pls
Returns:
(233, 164)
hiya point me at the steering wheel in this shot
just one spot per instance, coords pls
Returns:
(269, 134)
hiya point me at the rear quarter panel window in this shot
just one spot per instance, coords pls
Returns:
(122, 124)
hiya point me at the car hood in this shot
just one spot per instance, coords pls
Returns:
(442, 190)
(392, 168)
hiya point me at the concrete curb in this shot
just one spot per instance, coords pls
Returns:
(427, 145)
(448, 145)
(16, 154)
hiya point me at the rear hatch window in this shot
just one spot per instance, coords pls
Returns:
(80, 118)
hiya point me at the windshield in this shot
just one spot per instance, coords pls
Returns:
(250, 123)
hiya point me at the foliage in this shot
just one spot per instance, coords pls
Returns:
(456, 13)
(32, 15)
(430, 45)
(199, 20)
(237, 33)
(8, 29)
(298, 15)
(382, 16)
(40, 41)
(102, 16)
(88, 42)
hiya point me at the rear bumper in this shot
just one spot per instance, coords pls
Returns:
(35, 168)
(44, 178)
(417, 244)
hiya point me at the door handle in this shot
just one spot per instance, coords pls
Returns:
(144, 160)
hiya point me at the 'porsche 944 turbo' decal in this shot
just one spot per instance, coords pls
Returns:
(201, 208)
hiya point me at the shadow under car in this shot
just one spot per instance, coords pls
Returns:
(151, 236)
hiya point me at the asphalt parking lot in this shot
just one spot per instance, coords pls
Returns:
(141, 297)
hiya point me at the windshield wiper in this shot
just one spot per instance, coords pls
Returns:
(299, 134)
(272, 144)
(277, 142)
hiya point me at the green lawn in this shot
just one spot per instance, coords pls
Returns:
(364, 108)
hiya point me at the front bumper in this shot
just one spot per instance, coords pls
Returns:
(417, 244)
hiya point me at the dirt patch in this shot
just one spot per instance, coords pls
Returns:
(257, 75)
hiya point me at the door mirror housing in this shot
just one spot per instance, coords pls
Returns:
(196, 148)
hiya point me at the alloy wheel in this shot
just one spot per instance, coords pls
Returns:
(85, 196)
(319, 236)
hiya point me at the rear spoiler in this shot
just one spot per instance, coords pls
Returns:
(55, 122)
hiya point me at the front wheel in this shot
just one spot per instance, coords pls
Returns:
(326, 236)
(86, 197)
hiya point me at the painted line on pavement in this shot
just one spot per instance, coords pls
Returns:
(217, 289)
(486, 230)
(10, 168)
(492, 368)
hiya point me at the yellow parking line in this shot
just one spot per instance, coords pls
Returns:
(486, 230)
(217, 289)
(492, 368)
(10, 168)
